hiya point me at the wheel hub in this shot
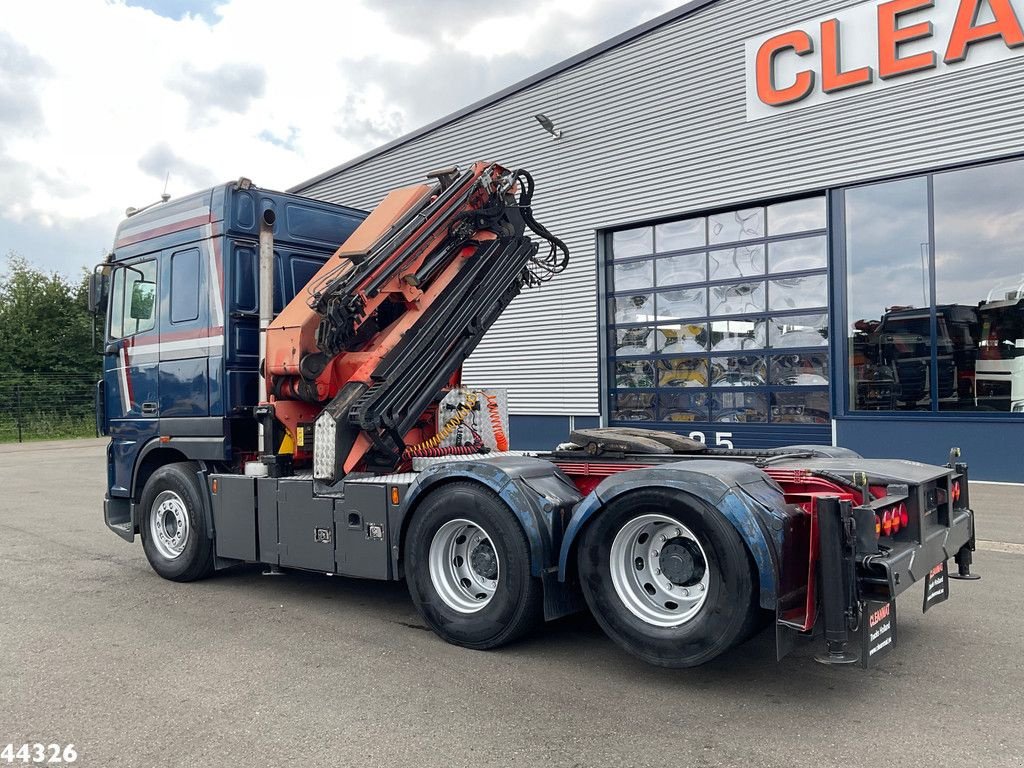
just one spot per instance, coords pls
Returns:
(169, 524)
(464, 566)
(484, 561)
(682, 562)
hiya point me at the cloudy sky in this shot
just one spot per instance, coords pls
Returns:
(102, 100)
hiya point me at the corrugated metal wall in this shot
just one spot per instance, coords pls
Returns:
(657, 127)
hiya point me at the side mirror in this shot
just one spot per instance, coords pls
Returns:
(143, 296)
(98, 283)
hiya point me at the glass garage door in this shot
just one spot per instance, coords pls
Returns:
(718, 326)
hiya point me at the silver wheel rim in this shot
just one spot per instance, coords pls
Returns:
(659, 570)
(169, 525)
(464, 565)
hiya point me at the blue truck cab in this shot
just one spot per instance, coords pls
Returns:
(181, 341)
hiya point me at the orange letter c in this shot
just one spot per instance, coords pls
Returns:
(768, 92)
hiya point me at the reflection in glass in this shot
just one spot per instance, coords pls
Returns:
(798, 292)
(739, 406)
(634, 374)
(887, 277)
(735, 226)
(796, 255)
(686, 302)
(682, 338)
(805, 370)
(683, 372)
(796, 216)
(682, 406)
(979, 284)
(680, 235)
(638, 308)
(743, 261)
(632, 406)
(682, 269)
(799, 331)
(632, 242)
(746, 371)
(633, 341)
(736, 299)
(733, 335)
(632, 276)
(800, 407)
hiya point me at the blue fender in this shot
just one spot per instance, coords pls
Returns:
(740, 492)
(536, 491)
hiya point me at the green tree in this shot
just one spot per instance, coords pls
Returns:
(45, 325)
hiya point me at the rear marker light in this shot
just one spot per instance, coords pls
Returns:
(956, 491)
(895, 519)
(904, 516)
(878, 526)
(887, 522)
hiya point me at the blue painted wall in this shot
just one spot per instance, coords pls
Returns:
(994, 449)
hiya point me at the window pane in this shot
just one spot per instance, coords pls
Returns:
(798, 331)
(800, 408)
(806, 370)
(686, 268)
(633, 341)
(687, 302)
(634, 374)
(638, 308)
(745, 261)
(683, 372)
(741, 298)
(683, 406)
(632, 242)
(979, 283)
(887, 276)
(739, 406)
(682, 338)
(795, 255)
(117, 304)
(798, 292)
(738, 372)
(796, 216)
(680, 235)
(633, 276)
(632, 406)
(735, 226)
(733, 335)
(185, 286)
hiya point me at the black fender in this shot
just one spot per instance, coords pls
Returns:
(539, 495)
(174, 454)
(741, 493)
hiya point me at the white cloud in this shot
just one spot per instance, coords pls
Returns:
(112, 98)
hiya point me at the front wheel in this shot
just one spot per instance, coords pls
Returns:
(173, 527)
(667, 578)
(467, 565)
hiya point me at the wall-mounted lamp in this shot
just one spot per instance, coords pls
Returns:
(547, 125)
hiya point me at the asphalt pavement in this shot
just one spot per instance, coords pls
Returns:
(248, 670)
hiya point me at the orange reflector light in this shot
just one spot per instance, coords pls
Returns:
(956, 491)
(887, 522)
(394, 495)
(165, 438)
(904, 515)
(895, 520)
(213, 485)
(878, 526)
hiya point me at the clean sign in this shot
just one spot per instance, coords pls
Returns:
(877, 45)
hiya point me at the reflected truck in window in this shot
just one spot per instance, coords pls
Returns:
(1000, 363)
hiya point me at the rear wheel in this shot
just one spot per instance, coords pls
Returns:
(668, 578)
(173, 526)
(467, 565)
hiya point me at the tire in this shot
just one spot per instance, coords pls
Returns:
(449, 576)
(173, 526)
(669, 612)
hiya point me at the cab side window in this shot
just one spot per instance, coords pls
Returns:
(185, 286)
(133, 300)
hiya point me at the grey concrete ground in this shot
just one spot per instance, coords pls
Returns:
(245, 670)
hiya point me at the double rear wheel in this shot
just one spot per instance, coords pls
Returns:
(668, 578)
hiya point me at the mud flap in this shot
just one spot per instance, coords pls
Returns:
(878, 631)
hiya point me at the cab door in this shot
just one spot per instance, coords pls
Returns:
(131, 355)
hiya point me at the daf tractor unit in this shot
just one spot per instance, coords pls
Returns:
(282, 386)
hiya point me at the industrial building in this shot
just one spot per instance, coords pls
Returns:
(789, 223)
